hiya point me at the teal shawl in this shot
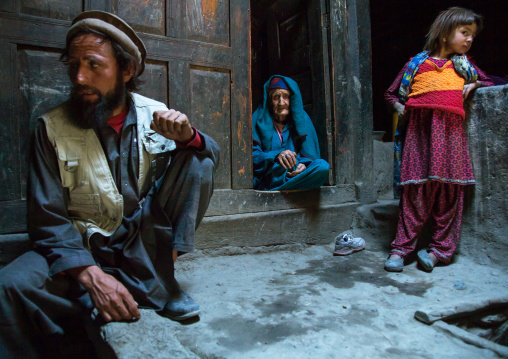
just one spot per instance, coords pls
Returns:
(262, 124)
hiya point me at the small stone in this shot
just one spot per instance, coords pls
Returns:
(460, 285)
(494, 273)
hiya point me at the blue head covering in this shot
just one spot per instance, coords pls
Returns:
(262, 123)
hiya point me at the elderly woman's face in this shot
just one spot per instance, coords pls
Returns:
(280, 102)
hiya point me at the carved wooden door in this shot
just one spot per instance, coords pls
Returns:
(198, 62)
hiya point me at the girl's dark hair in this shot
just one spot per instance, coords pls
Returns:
(447, 21)
(123, 58)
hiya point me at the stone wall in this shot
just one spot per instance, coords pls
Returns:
(485, 221)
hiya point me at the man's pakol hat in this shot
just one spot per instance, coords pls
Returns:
(278, 83)
(115, 28)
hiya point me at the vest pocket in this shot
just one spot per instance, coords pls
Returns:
(158, 149)
(83, 204)
(70, 151)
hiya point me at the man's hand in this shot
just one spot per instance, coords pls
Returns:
(299, 169)
(469, 87)
(287, 159)
(110, 297)
(173, 125)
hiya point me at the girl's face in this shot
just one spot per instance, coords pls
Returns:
(460, 40)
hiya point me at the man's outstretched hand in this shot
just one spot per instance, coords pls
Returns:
(110, 297)
(173, 125)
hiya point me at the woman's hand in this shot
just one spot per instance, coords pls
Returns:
(299, 169)
(287, 159)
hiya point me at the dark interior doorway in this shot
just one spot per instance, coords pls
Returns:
(398, 32)
(287, 39)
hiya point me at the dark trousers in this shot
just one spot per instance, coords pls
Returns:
(37, 311)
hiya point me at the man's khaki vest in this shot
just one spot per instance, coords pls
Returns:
(95, 205)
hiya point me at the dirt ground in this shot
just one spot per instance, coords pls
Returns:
(302, 302)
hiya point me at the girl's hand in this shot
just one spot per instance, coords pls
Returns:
(400, 108)
(470, 87)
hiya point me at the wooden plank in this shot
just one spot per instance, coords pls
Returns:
(316, 226)
(472, 339)
(144, 16)
(33, 31)
(339, 60)
(207, 21)
(29, 31)
(55, 9)
(43, 84)
(13, 217)
(9, 144)
(324, 27)
(210, 103)
(365, 149)
(155, 81)
(352, 92)
(227, 202)
(241, 124)
(461, 306)
(320, 80)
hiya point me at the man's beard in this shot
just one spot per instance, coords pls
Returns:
(86, 114)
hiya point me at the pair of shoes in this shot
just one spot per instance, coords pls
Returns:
(347, 244)
(425, 260)
(180, 306)
(394, 264)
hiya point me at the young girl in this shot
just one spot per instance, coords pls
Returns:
(435, 168)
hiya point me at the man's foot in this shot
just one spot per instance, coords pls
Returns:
(394, 263)
(346, 244)
(180, 306)
(427, 260)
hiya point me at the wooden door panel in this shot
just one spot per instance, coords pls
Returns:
(143, 15)
(43, 85)
(207, 21)
(155, 81)
(54, 9)
(9, 146)
(210, 103)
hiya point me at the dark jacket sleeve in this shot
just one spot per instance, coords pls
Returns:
(49, 225)
(210, 148)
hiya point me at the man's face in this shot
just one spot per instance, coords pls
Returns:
(98, 84)
(280, 102)
(93, 69)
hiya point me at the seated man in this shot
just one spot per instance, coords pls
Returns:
(111, 202)
(286, 148)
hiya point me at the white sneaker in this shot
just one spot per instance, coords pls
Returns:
(346, 244)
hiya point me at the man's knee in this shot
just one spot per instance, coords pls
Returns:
(201, 168)
(23, 274)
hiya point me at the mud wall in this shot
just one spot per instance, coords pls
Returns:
(485, 221)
